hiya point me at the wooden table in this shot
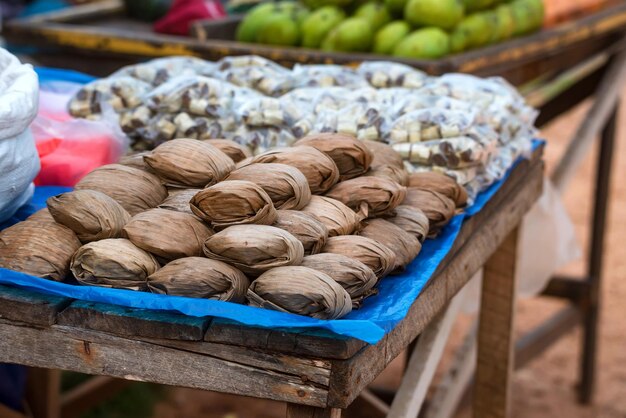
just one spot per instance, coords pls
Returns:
(315, 373)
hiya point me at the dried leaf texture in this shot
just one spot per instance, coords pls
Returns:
(349, 154)
(411, 220)
(235, 151)
(355, 277)
(440, 183)
(90, 214)
(404, 245)
(369, 196)
(114, 262)
(307, 228)
(199, 277)
(39, 247)
(167, 234)
(178, 200)
(254, 248)
(302, 291)
(438, 208)
(189, 163)
(374, 255)
(383, 154)
(337, 217)
(136, 190)
(284, 184)
(234, 202)
(319, 169)
(391, 172)
(136, 161)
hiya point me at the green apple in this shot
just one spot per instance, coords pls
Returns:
(279, 29)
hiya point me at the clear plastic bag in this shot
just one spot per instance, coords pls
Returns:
(260, 140)
(256, 73)
(382, 74)
(70, 149)
(360, 119)
(452, 153)
(430, 124)
(161, 70)
(200, 96)
(327, 76)
(270, 112)
(120, 94)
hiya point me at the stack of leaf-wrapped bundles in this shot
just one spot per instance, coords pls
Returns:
(309, 229)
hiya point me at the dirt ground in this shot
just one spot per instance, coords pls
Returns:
(546, 387)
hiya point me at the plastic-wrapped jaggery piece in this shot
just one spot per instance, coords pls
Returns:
(381, 74)
(160, 70)
(453, 153)
(327, 76)
(200, 96)
(430, 124)
(119, 93)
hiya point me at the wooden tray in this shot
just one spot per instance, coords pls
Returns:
(99, 38)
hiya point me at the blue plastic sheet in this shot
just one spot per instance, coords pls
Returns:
(377, 316)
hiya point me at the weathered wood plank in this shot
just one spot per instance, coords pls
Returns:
(126, 321)
(606, 97)
(300, 411)
(43, 390)
(89, 394)
(9, 413)
(424, 360)
(306, 343)
(306, 369)
(494, 371)
(94, 352)
(352, 375)
(30, 307)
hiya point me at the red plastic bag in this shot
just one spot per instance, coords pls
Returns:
(183, 13)
(70, 149)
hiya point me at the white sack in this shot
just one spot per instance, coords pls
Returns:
(19, 162)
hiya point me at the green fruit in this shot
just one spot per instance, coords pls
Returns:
(353, 34)
(474, 30)
(247, 29)
(506, 23)
(279, 29)
(301, 15)
(443, 14)
(475, 5)
(318, 24)
(458, 41)
(427, 43)
(396, 7)
(528, 15)
(389, 36)
(316, 4)
(375, 13)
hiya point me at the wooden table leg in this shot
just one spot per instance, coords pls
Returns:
(43, 391)
(494, 369)
(302, 411)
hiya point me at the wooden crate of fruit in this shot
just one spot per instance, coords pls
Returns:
(99, 38)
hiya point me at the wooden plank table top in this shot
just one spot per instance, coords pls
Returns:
(318, 371)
